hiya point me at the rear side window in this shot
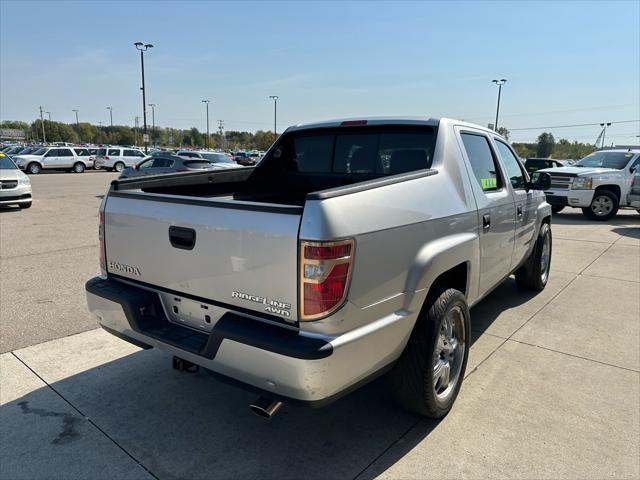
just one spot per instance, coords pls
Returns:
(196, 164)
(189, 154)
(114, 152)
(162, 163)
(82, 152)
(371, 152)
(65, 152)
(482, 162)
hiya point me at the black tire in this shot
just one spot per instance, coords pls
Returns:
(412, 378)
(78, 167)
(595, 212)
(557, 208)
(24, 205)
(118, 167)
(534, 274)
(34, 168)
(638, 210)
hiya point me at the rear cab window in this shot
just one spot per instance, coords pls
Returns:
(370, 151)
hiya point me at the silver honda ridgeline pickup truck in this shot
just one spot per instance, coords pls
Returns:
(354, 248)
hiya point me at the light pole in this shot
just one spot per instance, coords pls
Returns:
(48, 113)
(143, 47)
(206, 102)
(99, 132)
(44, 137)
(275, 115)
(77, 122)
(499, 83)
(604, 131)
(221, 128)
(153, 123)
(110, 115)
(135, 131)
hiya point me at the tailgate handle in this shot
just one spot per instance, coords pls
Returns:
(181, 237)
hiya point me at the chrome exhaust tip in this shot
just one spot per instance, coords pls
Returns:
(265, 407)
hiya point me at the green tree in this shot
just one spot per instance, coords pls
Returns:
(546, 142)
(504, 132)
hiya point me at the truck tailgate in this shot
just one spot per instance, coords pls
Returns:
(241, 254)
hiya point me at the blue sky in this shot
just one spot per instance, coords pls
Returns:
(566, 62)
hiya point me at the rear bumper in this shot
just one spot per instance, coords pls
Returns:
(569, 198)
(282, 362)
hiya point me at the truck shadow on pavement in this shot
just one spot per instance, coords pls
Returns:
(182, 425)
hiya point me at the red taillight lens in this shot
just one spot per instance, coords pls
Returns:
(105, 157)
(325, 270)
(103, 259)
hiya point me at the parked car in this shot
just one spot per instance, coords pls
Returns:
(599, 183)
(535, 164)
(117, 158)
(15, 186)
(167, 164)
(243, 158)
(86, 155)
(634, 193)
(322, 268)
(53, 158)
(220, 159)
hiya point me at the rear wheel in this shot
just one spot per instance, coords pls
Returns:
(78, 167)
(427, 377)
(534, 274)
(557, 208)
(118, 167)
(604, 206)
(34, 168)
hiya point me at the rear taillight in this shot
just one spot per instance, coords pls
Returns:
(103, 259)
(325, 270)
(105, 157)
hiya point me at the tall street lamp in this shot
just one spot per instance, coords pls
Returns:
(48, 113)
(499, 83)
(275, 114)
(153, 123)
(143, 47)
(604, 131)
(206, 102)
(110, 115)
(77, 122)
(44, 137)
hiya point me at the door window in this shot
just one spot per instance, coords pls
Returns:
(52, 153)
(65, 152)
(482, 161)
(114, 152)
(145, 165)
(162, 163)
(511, 164)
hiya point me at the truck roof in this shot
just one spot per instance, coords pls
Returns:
(372, 120)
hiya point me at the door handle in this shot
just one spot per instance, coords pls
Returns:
(183, 238)
(486, 221)
(519, 210)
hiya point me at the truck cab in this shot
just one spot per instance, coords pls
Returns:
(599, 184)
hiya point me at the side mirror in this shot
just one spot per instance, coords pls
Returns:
(539, 181)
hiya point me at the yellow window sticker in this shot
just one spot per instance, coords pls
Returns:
(488, 183)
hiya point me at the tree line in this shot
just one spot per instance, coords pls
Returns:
(545, 147)
(84, 132)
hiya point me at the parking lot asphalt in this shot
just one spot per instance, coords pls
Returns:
(552, 388)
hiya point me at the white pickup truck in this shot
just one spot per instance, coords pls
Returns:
(600, 183)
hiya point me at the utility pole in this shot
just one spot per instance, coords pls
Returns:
(48, 113)
(135, 131)
(221, 128)
(275, 115)
(77, 122)
(143, 47)
(206, 143)
(499, 83)
(153, 123)
(110, 115)
(604, 132)
(44, 137)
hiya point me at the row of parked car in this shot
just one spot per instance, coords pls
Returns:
(34, 159)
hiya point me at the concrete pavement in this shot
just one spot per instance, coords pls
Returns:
(552, 389)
